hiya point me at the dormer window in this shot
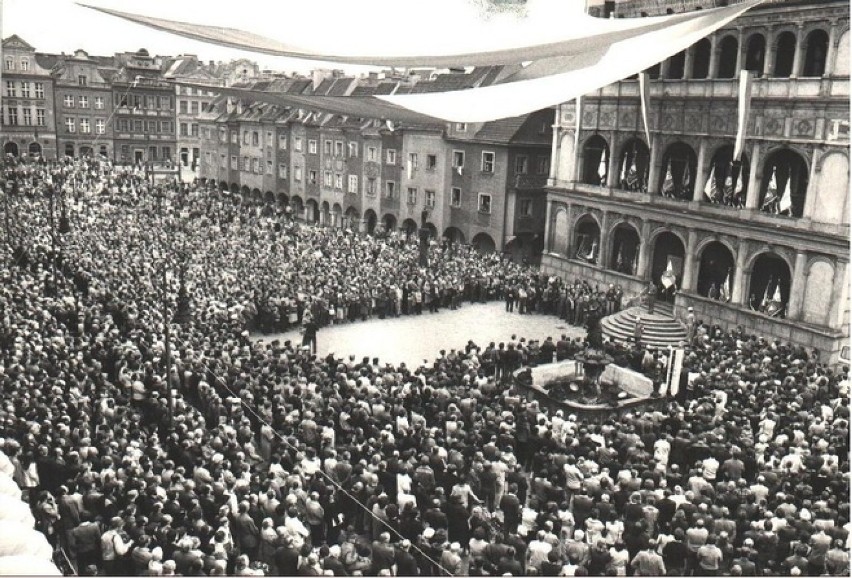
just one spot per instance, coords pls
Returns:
(25, 64)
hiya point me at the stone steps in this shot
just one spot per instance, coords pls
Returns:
(661, 328)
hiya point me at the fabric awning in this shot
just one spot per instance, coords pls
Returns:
(490, 44)
(593, 54)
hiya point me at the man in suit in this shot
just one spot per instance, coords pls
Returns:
(246, 533)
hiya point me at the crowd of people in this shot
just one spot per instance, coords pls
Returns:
(262, 458)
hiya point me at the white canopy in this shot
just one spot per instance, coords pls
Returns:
(16, 511)
(6, 466)
(8, 487)
(465, 40)
(27, 566)
(605, 58)
(19, 540)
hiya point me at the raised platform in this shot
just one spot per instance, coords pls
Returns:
(661, 328)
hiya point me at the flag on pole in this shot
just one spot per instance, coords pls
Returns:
(623, 177)
(668, 182)
(743, 109)
(710, 186)
(786, 203)
(770, 201)
(635, 260)
(644, 100)
(592, 251)
(766, 294)
(619, 257)
(739, 186)
(633, 174)
(686, 178)
(602, 168)
(726, 287)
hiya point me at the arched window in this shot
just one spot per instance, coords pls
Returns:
(716, 272)
(624, 257)
(817, 49)
(69, 149)
(785, 184)
(728, 48)
(587, 237)
(677, 179)
(634, 163)
(701, 59)
(785, 53)
(668, 252)
(595, 161)
(755, 53)
(676, 65)
(730, 181)
(35, 149)
(769, 289)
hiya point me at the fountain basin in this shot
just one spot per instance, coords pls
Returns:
(622, 390)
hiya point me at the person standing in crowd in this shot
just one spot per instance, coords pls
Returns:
(211, 492)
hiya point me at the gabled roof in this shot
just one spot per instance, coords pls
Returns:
(299, 86)
(324, 87)
(524, 129)
(17, 43)
(342, 86)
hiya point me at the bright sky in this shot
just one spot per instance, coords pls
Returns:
(63, 26)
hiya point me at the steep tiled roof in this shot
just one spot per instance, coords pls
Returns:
(341, 86)
(46, 61)
(537, 128)
(500, 130)
(299, 86)
(385, 88)
(324, 87)
(364, 90)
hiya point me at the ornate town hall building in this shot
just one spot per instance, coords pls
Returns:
(765, 244)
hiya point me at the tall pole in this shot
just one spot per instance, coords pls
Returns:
(168, 352)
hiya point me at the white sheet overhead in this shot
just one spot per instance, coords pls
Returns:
(553, 28)
(14, 510)
(19, 540)
(557, 80)
(27, 566)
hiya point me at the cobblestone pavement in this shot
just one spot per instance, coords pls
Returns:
(413, 339)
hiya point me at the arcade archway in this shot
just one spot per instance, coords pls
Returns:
(483, 243)
(595, 161)
(785, 183)
(716, 272)
(769, 286)
(587, 238)
(668, 253)
(454, 235)
(624, 257)
(370, 220)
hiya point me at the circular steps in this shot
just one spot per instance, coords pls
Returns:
(661, 328)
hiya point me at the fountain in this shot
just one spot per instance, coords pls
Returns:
(589, 386)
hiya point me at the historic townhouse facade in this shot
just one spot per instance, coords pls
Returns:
(762, 243)
(144, 105)
(84, 105)
(189, 104)
(479, 184)
(28, 115)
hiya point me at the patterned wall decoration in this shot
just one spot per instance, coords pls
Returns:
(803, 128)
(773, 126)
